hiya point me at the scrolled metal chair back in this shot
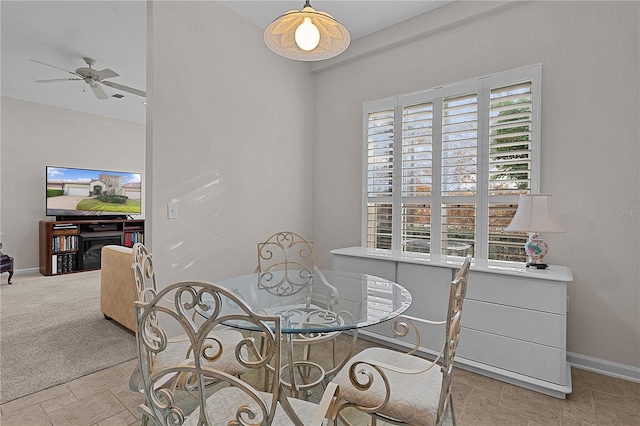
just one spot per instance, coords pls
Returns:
(143, 274)
(285, 263)
(457, 294)
(161, 405)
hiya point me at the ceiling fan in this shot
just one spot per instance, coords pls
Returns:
(93, 78)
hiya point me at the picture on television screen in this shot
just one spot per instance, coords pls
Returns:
(85, 192)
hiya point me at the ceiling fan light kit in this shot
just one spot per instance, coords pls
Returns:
(93, 78)
(307, 35)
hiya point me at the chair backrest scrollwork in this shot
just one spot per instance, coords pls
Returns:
(285, 263)
(143, 275)
(196, 371)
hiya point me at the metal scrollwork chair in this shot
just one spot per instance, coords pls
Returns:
(403, 388)
(178, 347)
(286, 266)
(231, 401)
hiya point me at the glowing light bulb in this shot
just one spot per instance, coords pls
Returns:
(307, 35)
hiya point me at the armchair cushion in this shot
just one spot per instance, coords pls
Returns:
(117, 288)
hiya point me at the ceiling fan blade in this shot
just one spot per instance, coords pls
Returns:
(98, 91)
(106, 73)
(125, 88)
(53, 66)
(54, 80)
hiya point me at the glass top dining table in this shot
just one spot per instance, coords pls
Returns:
(324, 302)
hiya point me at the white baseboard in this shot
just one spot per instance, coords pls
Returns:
(26, 271)
(601, 366)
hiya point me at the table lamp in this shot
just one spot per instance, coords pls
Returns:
(535, 216)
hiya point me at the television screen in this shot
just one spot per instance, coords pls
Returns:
(85, 192)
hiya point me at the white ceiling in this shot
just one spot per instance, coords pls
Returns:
(113, 33)
(61, 33)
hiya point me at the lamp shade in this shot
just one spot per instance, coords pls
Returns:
(280, 35)
(534, 215)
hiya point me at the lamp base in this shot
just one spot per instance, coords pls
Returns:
(536, 249)
(537, 265)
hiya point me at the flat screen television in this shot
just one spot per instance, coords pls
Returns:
(85, 193)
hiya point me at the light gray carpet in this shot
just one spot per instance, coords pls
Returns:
(52, 331)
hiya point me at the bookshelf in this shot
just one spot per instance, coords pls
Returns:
(75, 245)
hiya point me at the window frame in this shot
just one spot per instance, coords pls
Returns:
(482, 86)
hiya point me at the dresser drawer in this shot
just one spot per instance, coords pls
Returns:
(530, 359)
(541, 295)
(524, 324)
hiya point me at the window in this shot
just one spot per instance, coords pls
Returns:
(445, 167)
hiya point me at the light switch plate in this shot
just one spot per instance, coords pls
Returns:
(172, 211)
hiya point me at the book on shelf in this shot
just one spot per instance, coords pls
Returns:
(131, 238)
(64, 243)
(63, 263)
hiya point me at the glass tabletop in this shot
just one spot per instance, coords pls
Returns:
(326, 301)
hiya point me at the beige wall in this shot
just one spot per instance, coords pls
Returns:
(589, 53)
(34, 136)
(230, 127)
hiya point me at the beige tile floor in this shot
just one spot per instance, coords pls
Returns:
(104, 399)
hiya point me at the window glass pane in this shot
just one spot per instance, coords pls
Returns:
(416, 228)
(459, 145)
(510, 140)
(458, 229)
(503, 245)
(379, 225)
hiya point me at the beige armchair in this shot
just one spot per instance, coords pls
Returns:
(117, 287)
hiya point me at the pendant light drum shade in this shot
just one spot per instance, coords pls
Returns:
(280, 35)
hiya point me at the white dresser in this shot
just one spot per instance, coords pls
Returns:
(514, 321)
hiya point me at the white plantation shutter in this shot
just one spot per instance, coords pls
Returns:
(380, 127)
(510, 164)
(465, 153)
(510, 122)
(503, 245)
(459, 173)
(459, 146)
(417, 176)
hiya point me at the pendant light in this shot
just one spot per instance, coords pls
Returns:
(307, 35)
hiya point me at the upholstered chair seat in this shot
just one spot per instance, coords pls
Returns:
(413, 397)
(223, 406)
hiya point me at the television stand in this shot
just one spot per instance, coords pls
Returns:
(75, 245)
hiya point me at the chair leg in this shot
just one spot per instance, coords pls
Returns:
(453, 416)
(145, 421)
(261, 349)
